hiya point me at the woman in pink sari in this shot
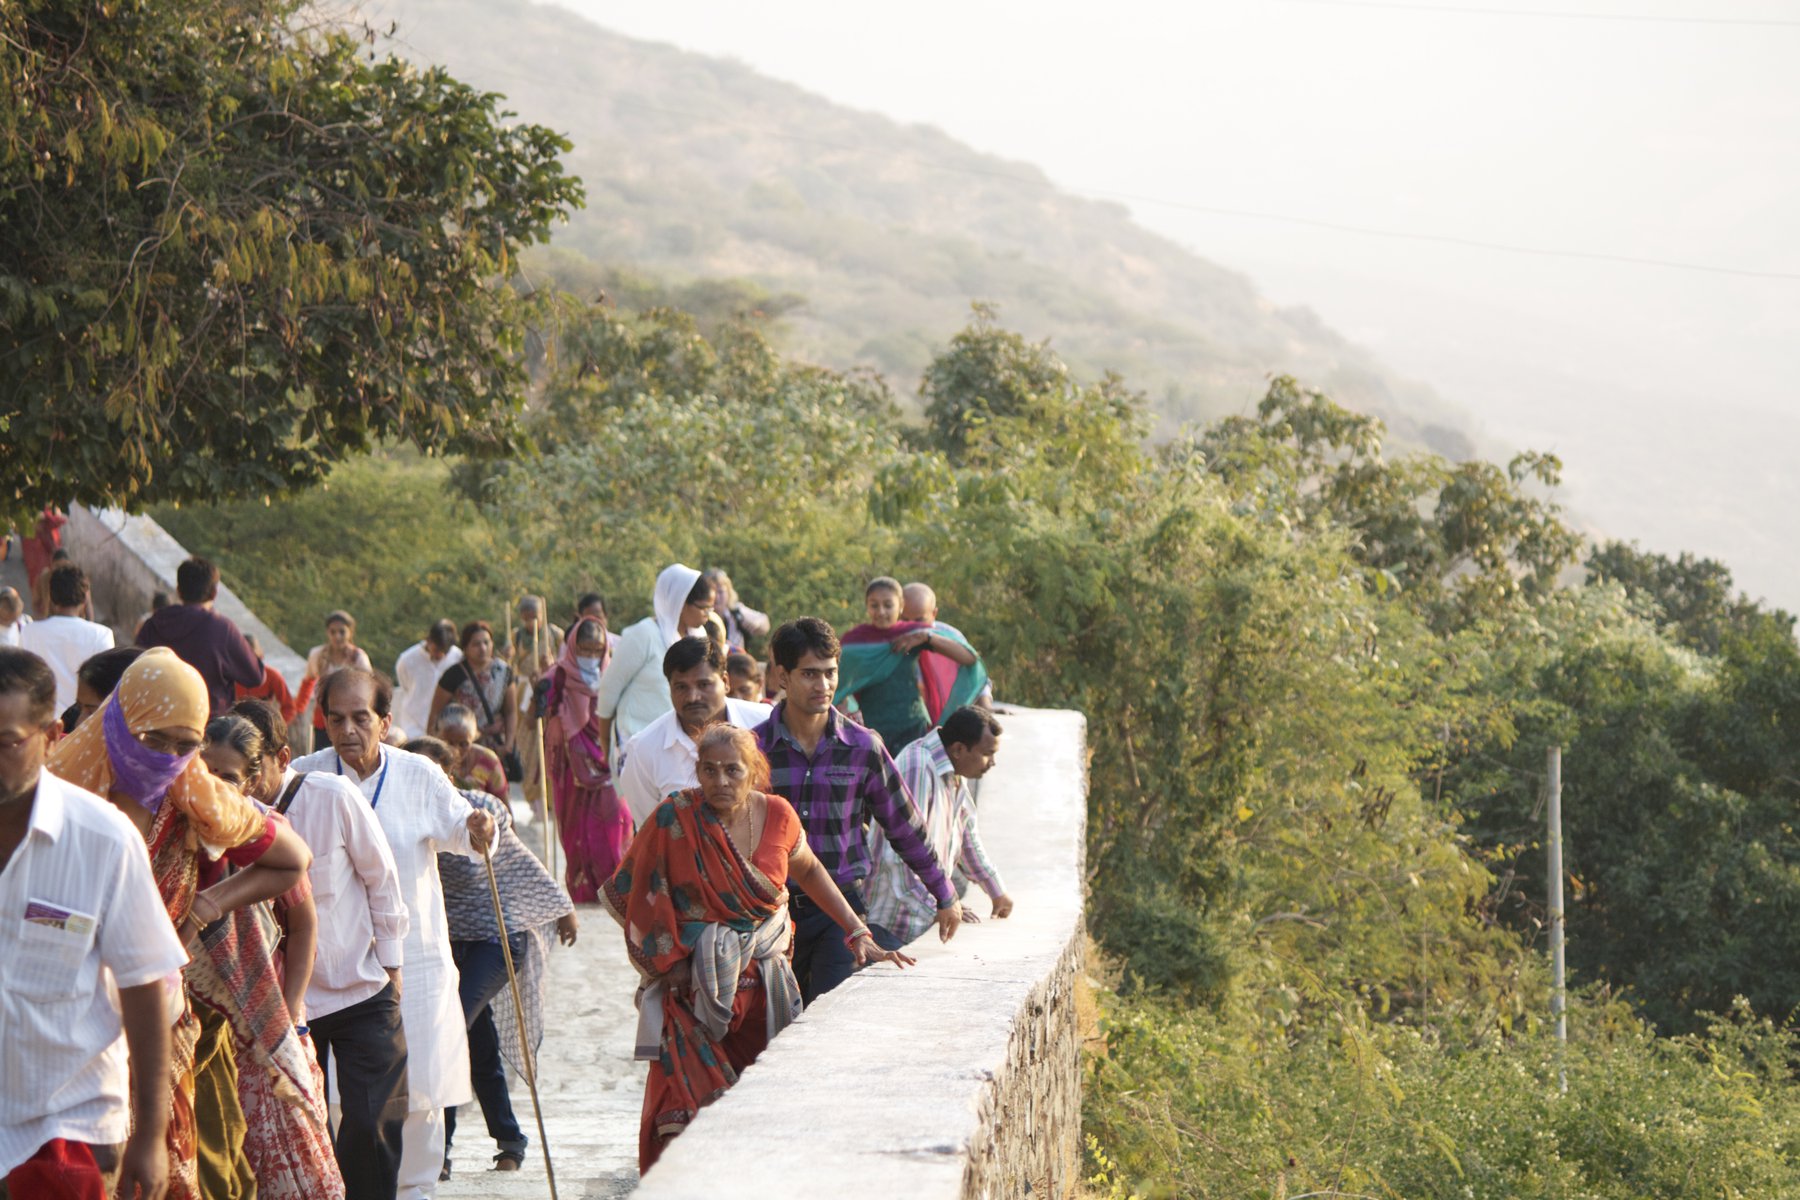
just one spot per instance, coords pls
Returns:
(595, 825)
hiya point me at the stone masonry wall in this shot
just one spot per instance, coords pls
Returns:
(1026, 1142)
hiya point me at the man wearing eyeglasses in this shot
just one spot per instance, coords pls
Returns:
(422, 815)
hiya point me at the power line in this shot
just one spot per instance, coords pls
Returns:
(1046, 183)
(1241, 213)
(1552, 14)
(1452, 239)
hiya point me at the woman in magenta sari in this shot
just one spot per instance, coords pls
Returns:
(595, 825)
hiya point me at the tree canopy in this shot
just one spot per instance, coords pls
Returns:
(239, 249)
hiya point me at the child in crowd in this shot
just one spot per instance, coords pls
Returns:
(274, 688)
(745, 676)
(12, 616)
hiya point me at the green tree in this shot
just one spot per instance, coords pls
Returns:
(238, 251)
(1465, 540)
(1693, 596)
(992, 394)
(1678, 800)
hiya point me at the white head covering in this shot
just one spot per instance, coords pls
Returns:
(672, 588)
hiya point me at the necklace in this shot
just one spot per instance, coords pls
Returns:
(740, 825)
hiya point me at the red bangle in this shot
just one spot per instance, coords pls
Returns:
(859, 932)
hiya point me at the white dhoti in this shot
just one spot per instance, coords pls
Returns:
(421, 1154)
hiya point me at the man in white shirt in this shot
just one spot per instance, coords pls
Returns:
(422, 816)
(63, 639)
(417, 671)
(353, 1000)
(663, 757)
(87, 946)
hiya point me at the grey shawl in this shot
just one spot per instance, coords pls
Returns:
(718, 960)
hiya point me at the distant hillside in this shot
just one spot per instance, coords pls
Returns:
(701, 168)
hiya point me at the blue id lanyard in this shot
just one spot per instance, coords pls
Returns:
(380, 780)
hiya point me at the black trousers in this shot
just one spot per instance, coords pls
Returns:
(821, 960)
(367, 1047)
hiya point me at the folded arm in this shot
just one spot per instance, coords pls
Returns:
(276, 870)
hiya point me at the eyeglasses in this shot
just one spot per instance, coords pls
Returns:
(162, 743)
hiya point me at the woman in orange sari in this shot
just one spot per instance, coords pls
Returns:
(141, 752)
(706, 924)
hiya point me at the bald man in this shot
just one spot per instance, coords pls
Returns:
(919, 603)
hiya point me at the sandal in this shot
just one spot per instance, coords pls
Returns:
(509, 1160)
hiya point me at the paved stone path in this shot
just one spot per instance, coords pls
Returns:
(591, 1089)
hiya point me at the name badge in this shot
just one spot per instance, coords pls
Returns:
(46, 915)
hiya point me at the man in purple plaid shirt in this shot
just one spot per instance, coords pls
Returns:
(837, 775)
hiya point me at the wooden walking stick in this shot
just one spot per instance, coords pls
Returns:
(512, 978)
(537, 664)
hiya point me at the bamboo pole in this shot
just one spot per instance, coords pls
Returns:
(537, 663)
(512, 978)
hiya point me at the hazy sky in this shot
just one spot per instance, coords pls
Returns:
(1628, 131)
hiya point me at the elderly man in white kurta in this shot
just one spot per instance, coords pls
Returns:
(422, 816)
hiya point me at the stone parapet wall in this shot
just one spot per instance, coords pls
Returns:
(957, 1078)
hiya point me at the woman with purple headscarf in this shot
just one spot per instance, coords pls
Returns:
(141, 751)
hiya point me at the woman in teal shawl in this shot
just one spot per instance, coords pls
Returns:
(905, 675)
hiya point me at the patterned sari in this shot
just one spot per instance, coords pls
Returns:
(280, 1087)
(685, 892)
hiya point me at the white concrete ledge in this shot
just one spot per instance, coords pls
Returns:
(958, 1077)
(128, 558)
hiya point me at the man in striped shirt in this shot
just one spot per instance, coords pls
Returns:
(838, 776)
(937, 770)
(87, 945)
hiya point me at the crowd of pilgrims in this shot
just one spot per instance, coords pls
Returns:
(232, 965)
